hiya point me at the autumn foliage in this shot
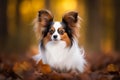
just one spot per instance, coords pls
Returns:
(100, 67)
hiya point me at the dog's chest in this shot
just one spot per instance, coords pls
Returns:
(56, 52)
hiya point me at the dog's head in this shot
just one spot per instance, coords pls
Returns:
(48, 30)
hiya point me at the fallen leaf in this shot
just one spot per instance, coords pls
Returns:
(113, 69)
(20, 67)
(43, 68)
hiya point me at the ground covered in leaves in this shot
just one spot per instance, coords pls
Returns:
(21, 67)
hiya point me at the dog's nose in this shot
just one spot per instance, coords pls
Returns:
(55, 36)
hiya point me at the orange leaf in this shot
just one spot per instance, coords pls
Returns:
(19, 68)
(112, 68)
(44, 68)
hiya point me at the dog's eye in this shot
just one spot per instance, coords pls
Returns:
(61, 32)
(51, 31)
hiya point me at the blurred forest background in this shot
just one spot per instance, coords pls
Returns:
(100, 25)
(100, 37)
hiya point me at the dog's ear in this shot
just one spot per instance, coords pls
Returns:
(42, 21)
(71, 18)
(44, 17)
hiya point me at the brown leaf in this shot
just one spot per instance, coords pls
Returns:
(19, 68)
(113, 69)
(43, 68)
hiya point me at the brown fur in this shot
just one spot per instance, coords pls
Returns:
(46, 39)
(73, 21)
(41, 21)
(65, 38)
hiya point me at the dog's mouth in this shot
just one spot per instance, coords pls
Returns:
(55, 40)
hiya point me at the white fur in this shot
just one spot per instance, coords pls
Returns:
(58, 56)
(56, 25)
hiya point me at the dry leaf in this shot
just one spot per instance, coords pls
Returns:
(19, 68)
(43, 68)
(113, 69)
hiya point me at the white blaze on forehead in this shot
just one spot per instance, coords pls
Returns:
(57, 25)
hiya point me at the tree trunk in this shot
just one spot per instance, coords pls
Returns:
(94, 27)
(3, 24)
(47, 4)
(117, 24)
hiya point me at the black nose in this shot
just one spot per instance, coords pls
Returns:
(55, 36)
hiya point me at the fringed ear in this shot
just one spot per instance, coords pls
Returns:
(43, 19)
(72, 20)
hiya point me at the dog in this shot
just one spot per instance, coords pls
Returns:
(58, 46)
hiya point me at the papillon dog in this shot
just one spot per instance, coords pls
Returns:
(58, 46)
